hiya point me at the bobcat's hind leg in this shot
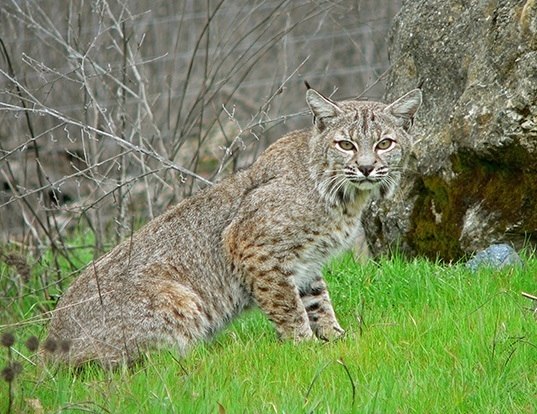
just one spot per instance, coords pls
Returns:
(320, 312)
(176, 314)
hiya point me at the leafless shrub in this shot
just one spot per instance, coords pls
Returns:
(110, 110)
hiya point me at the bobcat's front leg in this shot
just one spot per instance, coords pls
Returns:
(320, 312)
(259, 265)
(278, 297)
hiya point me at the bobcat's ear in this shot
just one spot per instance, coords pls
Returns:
(321, 107)
(405, 108)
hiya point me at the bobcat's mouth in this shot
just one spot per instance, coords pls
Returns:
(363, 183)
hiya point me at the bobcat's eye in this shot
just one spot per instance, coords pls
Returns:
(345, 145)
(385, 144)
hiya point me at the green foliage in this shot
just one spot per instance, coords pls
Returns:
(422, 337)
(30, 286)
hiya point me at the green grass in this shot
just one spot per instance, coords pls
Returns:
(422, 338)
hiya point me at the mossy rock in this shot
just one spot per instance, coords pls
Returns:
(473, 179)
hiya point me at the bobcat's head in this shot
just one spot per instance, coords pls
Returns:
(359, 145)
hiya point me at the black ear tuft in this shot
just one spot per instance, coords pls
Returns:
(308, 86)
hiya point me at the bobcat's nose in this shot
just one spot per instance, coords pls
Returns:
(366, 169)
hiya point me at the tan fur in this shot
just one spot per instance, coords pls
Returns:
(259, 237)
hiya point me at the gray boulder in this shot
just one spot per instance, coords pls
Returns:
(496, 256)
(472, 180)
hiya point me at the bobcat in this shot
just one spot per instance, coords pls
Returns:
(259, 237)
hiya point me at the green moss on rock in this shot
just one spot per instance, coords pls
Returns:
(505, 188)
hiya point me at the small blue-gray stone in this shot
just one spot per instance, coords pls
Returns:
(496, 256)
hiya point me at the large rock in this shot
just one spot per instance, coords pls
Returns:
(473, 180)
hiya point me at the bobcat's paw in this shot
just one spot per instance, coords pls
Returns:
(303, 333)
(329, 332)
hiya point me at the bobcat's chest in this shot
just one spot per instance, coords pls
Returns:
(324, 244)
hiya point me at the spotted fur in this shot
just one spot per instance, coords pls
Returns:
(259, 237)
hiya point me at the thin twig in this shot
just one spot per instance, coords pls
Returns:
(529, 296)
